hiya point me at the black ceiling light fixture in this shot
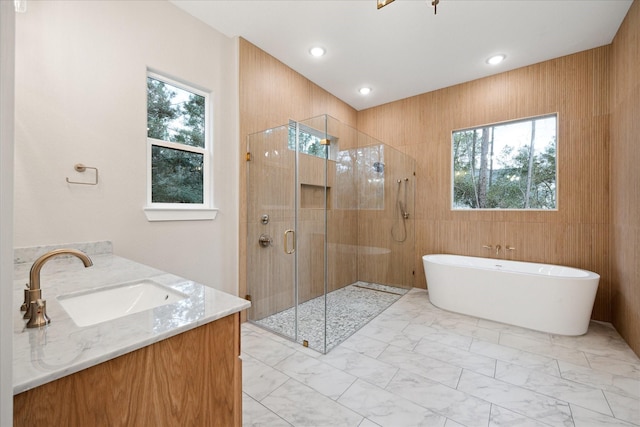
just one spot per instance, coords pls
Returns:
(434, 3)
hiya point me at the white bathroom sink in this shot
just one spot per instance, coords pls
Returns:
(111, 302)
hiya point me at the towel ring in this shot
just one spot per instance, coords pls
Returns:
(79, 167)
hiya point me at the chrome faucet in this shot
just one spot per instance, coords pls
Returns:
(498, 247)
(34, 305)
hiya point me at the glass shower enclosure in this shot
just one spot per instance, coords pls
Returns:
(328, 208)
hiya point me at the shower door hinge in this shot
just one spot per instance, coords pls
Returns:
(247, 297)
(248, 157)
(325, 141)
(305, 343)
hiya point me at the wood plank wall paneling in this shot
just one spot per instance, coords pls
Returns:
(576, 87)
(192, 379)
(625, 177)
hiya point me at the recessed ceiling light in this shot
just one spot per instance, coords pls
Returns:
(496, 59)
(317, 51)
(364, 90)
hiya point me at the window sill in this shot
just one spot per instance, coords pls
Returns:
(180, 214)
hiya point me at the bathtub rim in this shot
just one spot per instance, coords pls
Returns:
(586, 274)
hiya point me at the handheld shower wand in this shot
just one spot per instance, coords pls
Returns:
(403, 213)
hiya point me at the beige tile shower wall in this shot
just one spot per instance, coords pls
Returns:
(270, 94)
(386, 239)
(576, 87)
(625, 176)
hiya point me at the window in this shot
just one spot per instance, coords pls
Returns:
(178, 150)
(309, 140)
(508, 165)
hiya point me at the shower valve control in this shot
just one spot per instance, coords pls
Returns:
(265, 240)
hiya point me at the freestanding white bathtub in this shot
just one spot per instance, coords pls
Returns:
(543, 297)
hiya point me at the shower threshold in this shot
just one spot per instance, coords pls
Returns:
(347, 310)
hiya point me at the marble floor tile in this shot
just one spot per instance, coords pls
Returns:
(623, 407)
(600, 340)
(451, 320)
(446, 401)
(515, 330)
(414, 365)
(438, 335)
(457, 357)
(467, 328)
(583, 417)
(301, 405)
(420, 364)
(246, 332)
(614, 366)
(248, 328)
(265, 349)
(289, 343)
(613, 352)
(423, 318)
(522, 358)
(606, 381)
(397, 315)
(256, 415)
(502, 417)
(387, 409)
(556, 351)
(365, 345)
(260, 379)
(555, 387)
(388, 322)
(368, 423)
(320, 376)
(390, 336)
(517, 399)
(364, 367)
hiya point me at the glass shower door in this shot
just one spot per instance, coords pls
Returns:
(287, 196)
(271, 231)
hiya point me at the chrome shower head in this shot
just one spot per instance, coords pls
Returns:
(378, 167)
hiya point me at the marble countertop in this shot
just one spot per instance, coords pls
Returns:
(41, 355)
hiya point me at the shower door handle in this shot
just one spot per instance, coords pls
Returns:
(286, 246)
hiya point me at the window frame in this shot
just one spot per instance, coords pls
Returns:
(556, 116)
(182, 211)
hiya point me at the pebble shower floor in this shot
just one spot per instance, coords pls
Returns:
(347, 310)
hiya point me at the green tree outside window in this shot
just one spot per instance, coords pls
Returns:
(176, 120)
(506, 166)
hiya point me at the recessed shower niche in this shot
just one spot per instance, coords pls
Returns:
(339, 244)
(315, 196)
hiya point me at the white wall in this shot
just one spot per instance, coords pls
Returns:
(81, 98)
(6, 211)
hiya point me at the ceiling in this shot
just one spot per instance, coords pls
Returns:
(404, 49)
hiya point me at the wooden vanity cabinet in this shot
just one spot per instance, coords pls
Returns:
(191, 379)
